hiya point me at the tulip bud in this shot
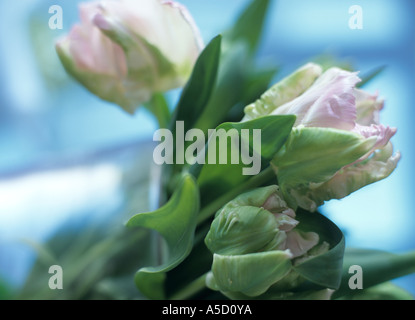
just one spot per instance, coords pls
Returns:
(246, 224)
(255, 244)
(337, 134)
(124, 51)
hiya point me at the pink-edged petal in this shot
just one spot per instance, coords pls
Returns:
(368, 107)
(285, 222)
(379, 166)
(329, 102)
(382, 133)
(332, 111)
(276, 204)
(93, 52)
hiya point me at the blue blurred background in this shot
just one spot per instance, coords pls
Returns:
(55, 137)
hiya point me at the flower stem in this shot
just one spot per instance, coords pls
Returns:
(191, 289)
(256, 181)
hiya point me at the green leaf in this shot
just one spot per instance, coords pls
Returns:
(237, 65)
(195, 265)
(370, 76)
(228, 91)
(249, 26)
(198, 89)
(216, 179)
(151, 284)
(324, 269)
(257, 82)
(176, 223)
(377, 266)
(383, 291)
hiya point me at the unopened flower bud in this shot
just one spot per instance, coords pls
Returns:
(255, 243)
(124, 51)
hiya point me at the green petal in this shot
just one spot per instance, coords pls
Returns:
(311, 156)
(284, 91)
(352, 178)
(246, 224)
(250, 274)
(257, 198)
(241, 230)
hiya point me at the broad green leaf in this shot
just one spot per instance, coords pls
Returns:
(377, 266)
(325, 269)
(195, 265)
(228, 91)
(314, 155)
(257, 82)
(216, 179)
(249, 26)
(176, 223)
(198, 89)
(237, 63)
(151, 284)
(383, 291)
(249, 274)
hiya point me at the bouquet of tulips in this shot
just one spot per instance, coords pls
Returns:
(244, 163)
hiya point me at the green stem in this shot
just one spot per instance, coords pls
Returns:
(191, 289)
(256, 181)
(159, 108)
